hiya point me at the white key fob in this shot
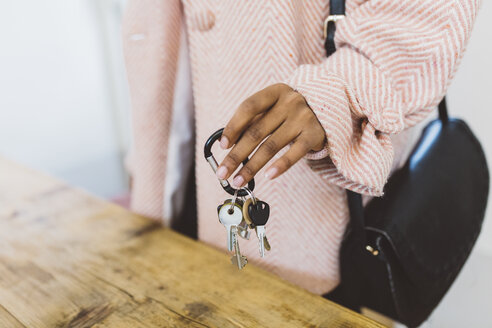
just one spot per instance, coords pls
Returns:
(229, 216)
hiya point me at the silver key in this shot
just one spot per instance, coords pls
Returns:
(260, 233)
(237, 258)
(242, 229)
(267, 244)
(230, 216)
(259, 212)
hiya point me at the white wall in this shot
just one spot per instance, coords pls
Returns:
(56, 101)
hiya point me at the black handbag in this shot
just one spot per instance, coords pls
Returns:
(401, 253)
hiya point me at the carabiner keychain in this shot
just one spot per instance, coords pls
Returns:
(214, 165)
(257, 212)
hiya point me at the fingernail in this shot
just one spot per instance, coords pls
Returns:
(238, 182)
(271, 173)
(224, 142)
(221, 172)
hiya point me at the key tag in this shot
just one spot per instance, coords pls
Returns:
(259, 212)
(214, 165)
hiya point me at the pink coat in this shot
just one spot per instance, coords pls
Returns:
(393, 64)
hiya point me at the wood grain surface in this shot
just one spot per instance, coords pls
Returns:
(68, 259)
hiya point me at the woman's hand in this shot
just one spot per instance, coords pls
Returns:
(282, 116)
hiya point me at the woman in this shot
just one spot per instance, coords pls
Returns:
(259, 68)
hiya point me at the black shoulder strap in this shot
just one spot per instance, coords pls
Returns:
(337, 9)
(443, 110)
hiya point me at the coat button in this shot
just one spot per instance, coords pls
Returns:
(202, 20)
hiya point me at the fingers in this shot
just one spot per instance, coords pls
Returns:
(251, 107)
(278, 140)
(250, 139)
(280, 112)
(298, 150)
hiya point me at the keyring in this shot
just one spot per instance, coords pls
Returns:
(214, 165)
(251, 195)
(233, 202)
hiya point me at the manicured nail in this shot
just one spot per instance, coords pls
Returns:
(238, 182)
(224, 142)
(221, 172)
(271, 173)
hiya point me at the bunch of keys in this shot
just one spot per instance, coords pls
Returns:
(239, 215)
(255, 214)
(241, 212)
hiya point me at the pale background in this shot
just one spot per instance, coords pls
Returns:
(64, 109)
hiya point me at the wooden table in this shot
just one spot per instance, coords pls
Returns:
(68, 259)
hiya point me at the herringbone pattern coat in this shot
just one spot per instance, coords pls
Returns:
(393, 62)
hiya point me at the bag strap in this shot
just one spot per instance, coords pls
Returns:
(337, 11)
(356, 210)
(443, 110)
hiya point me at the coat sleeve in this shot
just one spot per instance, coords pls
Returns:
(151, 37)
(393, 63)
